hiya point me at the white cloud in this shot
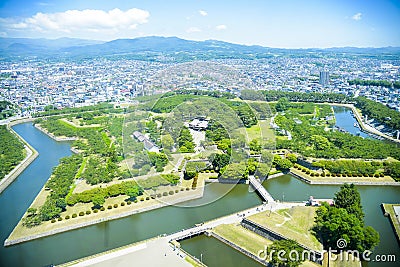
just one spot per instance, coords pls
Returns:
(80, 21)
(203, 13)
(221, 27)
(193, 29)
(357, 16)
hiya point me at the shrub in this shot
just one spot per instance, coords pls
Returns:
(59, 219)
(115, 205)
(88, 212)
(122, 204)
(171, 192)
(323, 174)
(317, 174)
(187, 188)
(53, 220)
(141, 199)
(135, 201)
(308, 172)
(67, 217)
(182, 189)
(74, 215)
(165, 194)
(147, 198)
(377, 175)
(312, 174)
(109, 207)
(176, 191)
(382, 175)
(102, 209)
(81, 213)
(328, 174)
(159, 195)
(129, 202)
(95, 210)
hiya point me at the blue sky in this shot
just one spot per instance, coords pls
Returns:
(272, 23)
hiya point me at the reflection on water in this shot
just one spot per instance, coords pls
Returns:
(215, 253)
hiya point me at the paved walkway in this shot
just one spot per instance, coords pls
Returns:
(156, 252)
(159, 252)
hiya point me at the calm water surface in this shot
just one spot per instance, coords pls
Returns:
(86, 241)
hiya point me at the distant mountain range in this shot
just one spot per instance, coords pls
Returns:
(70, 47)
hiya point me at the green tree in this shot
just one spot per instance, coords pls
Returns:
(98, 200)
(219, 160)
(349, 198)
(320, 142)
(345, 221)
(133, 192)
(282, 104)
(167, 141)
(255, 145)
(235, 171)
(291, 257)
(292, 157)
(185, 141)
(282, 164)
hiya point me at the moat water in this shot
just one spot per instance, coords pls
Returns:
(75, 244)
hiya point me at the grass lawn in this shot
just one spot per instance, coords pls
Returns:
(242, 237)
(389, 209)
(192, 262)
(247, 239)
(352, 262)
(261, 130)
(294, 223)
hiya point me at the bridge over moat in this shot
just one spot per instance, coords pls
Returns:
(261, 189)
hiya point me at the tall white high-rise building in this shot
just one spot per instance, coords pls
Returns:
(324, 77)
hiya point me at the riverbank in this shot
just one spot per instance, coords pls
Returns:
(388, 210)
(31, 155)
(365, 127)
(114, 256)
(22, 234)
(57, 138)
(341, 180)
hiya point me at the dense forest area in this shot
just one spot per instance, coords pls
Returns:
(313, 141)
(104, 108)
(379, 112)
(170, 101)
(11, 151)
(374, 110)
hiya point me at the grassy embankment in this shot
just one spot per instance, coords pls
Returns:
(247, 239)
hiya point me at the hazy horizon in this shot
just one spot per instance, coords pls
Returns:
(102, 41)
(277, 24)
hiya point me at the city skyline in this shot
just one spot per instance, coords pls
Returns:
(283, 24)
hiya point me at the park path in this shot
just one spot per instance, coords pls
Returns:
(159, 251)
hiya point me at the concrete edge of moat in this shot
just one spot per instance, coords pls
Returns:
(31, 155)
(11, 242)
